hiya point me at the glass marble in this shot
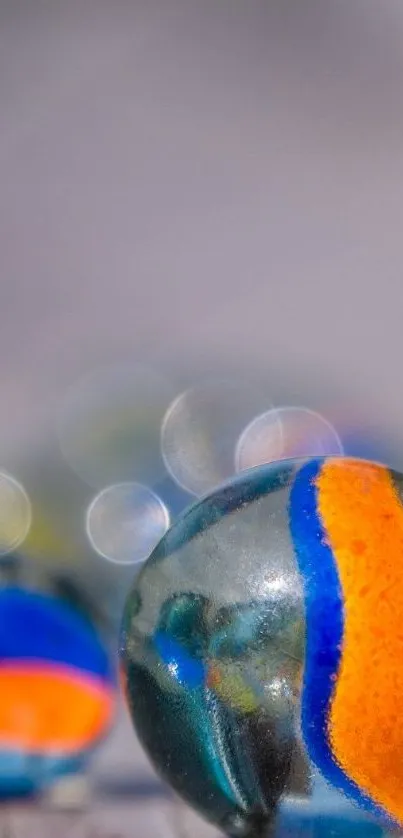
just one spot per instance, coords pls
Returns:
(261, 648)
(57, 692)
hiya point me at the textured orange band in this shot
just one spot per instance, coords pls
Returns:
(363, 519)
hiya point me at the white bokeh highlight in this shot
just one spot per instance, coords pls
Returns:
(284, 433)
(125, 521)
(200, 430)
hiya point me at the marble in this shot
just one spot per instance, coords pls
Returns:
(57, 691)
(259, 648)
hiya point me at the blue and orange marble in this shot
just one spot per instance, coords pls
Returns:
(262, 644)
(56, 690)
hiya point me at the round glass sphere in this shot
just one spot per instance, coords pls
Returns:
(262, 645)
(57, 692)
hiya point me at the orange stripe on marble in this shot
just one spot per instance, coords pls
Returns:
(48, 709)
(363, 518)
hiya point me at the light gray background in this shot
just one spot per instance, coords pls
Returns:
(180, 176)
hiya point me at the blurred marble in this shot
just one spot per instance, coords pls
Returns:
(57, 691)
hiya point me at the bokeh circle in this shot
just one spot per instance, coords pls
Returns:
(125, 522)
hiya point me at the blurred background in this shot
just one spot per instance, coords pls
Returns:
(201, 258)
